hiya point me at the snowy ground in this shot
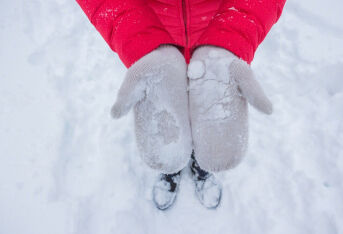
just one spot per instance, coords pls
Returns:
(67, 167)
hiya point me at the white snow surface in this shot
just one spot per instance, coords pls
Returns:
(68, 168)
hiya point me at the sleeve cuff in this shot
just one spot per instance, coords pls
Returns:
(140, 45)
(230, 40)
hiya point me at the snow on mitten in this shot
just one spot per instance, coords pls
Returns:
(220, 86)
(156, 87)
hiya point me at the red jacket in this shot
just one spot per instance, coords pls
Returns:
(133, 28)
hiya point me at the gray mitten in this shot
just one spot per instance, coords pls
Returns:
(156, 86)
(220, 86)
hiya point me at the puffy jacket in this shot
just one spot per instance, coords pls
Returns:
(133, 28)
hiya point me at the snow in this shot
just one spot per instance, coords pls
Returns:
(196, 70)
(212, 105)
(67, 167)
(232, 8)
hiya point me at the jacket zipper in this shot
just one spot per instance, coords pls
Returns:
(184, 14)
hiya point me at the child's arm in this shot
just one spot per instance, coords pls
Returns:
(241, 25)
(129, 27)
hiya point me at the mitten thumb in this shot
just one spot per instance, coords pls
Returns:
(249, 86)
(135, 83)
(131, 91)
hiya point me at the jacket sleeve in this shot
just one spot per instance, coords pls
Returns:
(129, 27)
(241, 25)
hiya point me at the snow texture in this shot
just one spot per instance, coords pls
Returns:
(68, 168)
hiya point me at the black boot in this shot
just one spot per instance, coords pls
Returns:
(197, 172)
(207, 187)
(165, 190)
